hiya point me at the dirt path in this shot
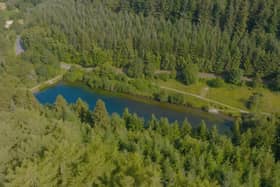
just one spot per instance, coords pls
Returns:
(205, 99)
(48, 82)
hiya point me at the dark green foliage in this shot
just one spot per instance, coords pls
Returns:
(186, 128)
(162, 96)
(59, 145)
(275, 85)
(189, 74)
(257, 81)
(176, 99)
(254, 102)
(135, 69)
(236, 133)
(216, 83)
(82, 110)
(276, 145)
(234, 76)
(202, 131)
(145, 36)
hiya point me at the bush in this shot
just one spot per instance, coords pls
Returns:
(74, 74)
(161, 96)
(257, 81)
(163, 76)
(216, 83)
(254, 101)
(275, 85)
(176, 99)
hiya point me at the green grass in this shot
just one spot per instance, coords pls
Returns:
(236, 96)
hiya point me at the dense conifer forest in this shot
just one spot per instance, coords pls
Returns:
(143, 36)
(69, 145)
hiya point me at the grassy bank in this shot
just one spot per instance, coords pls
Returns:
(236, 96)
(229, 99)
(147, 89)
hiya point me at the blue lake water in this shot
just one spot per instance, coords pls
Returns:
(143, 108)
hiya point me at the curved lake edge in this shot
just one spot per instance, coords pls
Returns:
(146, 100)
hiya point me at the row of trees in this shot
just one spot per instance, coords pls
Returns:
(69, 145)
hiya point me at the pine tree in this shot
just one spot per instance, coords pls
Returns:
(236, 133)
(186, 128)
(82, 110)
(202, 131)
(61, 107)
(241, 19)
(100, 115)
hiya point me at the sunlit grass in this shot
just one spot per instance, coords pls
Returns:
(236, 96)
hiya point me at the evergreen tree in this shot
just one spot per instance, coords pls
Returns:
(234, 76)
(257, 81)
(81, 108)
(236, 133)
(100, 115)
(241, 19)
(202, 131)
(189, 74)
(61, 107)
(186, 128)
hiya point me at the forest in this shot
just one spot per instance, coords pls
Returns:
(67, 144)
(145, 36)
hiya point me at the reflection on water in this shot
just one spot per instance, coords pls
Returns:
(117, 104)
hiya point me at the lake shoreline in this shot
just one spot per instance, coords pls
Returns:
(142, 99)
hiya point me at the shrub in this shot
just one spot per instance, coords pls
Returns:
(216, 83)
(161, 96)
(176, 99)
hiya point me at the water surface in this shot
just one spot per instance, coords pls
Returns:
(117, 103)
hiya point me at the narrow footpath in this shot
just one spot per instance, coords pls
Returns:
(205, 99)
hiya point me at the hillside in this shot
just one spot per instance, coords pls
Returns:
(140, 47)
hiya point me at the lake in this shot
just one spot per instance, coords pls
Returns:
(116, 103)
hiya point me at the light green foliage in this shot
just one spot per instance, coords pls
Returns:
(59, 145)
(75, 74)
(100, 115)
(189, 74)
(145, 36)
(124, 152)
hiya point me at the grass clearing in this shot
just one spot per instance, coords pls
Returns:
(235, 96)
